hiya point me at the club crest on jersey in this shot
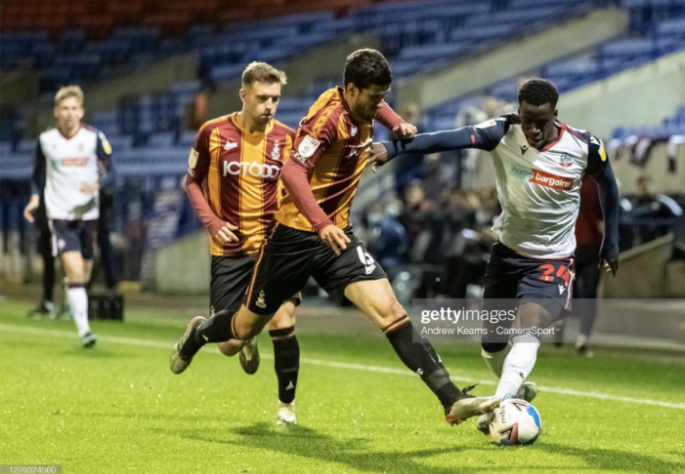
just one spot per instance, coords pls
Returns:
(565, 160)
(276, 152)
(356, 150)
(307, 147)
(261, 303)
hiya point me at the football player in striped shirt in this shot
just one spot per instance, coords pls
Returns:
(540, 163)
(69, 160)
(233, 183)
(311, 233)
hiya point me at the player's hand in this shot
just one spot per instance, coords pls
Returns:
(404, 131)
(90, 189)
(609, 265)
(378, 156)
(335, 238)
(31, 207)
(226, 235)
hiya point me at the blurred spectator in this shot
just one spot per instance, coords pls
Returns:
(413, 216)
(387, 239)
(408, 167)
(658, 212)
(589, 232)
(199, 106)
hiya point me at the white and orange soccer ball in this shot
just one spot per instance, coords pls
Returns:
(516, 422)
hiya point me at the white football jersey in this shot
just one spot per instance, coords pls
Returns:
(69, 163)
(539, 190)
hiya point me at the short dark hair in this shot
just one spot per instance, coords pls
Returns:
(263, 72)
(365, 68)
(538, 92)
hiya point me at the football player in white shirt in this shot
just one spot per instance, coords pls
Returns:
(69, 160)
(539, 163)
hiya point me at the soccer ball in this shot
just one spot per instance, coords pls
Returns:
(515, 422)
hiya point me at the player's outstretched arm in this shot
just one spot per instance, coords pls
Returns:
(600, 170)
(485, 136)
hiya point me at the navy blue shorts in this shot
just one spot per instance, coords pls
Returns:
(73, 236)
(545, 281)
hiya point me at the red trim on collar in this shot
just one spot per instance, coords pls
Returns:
(561, 134)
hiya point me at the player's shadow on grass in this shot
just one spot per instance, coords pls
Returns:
(355, 453)
(613, 459)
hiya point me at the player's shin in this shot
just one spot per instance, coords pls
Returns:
(494, 355)
(422, 359)
(216, 329)
(286, 362)
(78, 300)
(517, 365)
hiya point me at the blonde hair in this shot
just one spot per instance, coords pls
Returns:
(263, 72)
(69, 91)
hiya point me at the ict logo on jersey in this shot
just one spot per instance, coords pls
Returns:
(565, 160)
(551, 181)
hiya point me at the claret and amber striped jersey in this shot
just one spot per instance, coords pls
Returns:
(242, 172)
(333, 147)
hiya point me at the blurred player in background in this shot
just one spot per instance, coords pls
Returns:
(239, 157)
(67, 174)
(540, 163)
(311, 234)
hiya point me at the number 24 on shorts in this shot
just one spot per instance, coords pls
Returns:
(562, 272)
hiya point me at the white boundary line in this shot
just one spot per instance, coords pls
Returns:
(339, 365)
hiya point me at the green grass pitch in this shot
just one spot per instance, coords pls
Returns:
(119, 409)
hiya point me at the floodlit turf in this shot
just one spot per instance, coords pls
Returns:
(118, 408)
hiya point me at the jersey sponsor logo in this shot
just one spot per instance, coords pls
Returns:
(276, 152)
(551, 180)
(307, 147)
(520, 172)
(230, 145)
(298, 157)
(192, 159)
(75, 162)
(259, 170)
(565, 160)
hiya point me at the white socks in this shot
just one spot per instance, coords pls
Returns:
(495, 360)
(78, 300)
(517, 365)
